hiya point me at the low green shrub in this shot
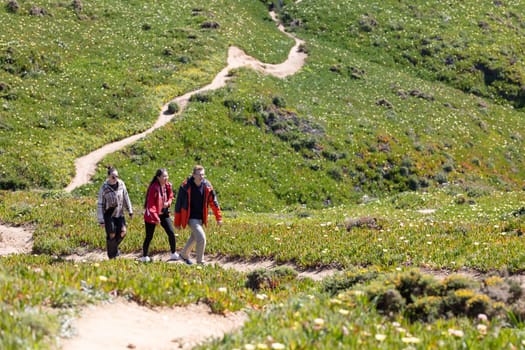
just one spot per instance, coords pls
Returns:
(426, 309)
(346, 280)
(263, 279)
(173, 108)
(413, 284)
(385, 297)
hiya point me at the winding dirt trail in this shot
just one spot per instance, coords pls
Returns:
(121, 324)
(237, 265)
(85, 166)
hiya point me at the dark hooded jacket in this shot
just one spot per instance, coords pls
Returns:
(183, 203)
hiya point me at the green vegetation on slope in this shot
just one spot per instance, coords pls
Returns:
(372, 312)
(473, 46)
(482, 233)
(40, 293)
(348, 124)
(345, 126)
(400, 107)
(73, 80)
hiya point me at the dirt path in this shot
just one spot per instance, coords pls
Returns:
(86, 166)
(136, 327)
(123, 325)
(238, 265)
(15, 240)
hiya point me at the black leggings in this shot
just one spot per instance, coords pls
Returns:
(115, 232)
(166, 224)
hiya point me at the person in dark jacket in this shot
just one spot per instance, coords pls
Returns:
(194, 197)
(113, 199)
(157, 211)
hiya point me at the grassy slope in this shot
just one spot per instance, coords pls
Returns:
(432, 134)
(364, 148)
(437, 136)
(103, 75)
(472, 46)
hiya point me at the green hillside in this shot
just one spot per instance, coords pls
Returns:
(360, 118)
(398, 148)
(472, 46)
(75, 79)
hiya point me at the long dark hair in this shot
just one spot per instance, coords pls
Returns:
(155, 179)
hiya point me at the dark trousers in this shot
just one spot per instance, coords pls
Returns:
(166, 224)
(115, 230)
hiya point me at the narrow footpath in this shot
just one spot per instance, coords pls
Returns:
(125, 325)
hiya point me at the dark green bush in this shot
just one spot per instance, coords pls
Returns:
(467, 302)
(456, 282)
(279, 101)
(413, 183)
(173, 107)
(346, 280)
(201, 98)
(270, 279)
(231, 104)
(385, 297)
(441, 178)
(413, 284)
(426, 309)
(13, 184)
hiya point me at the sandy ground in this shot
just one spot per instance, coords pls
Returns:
(238, 265)
(124, 325)
(15, 240)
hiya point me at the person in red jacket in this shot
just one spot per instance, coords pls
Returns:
(156, 211)
(195, 196)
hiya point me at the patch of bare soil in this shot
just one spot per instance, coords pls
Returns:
(15, 240)
(235, 264)
(247, 266)
(124, 325)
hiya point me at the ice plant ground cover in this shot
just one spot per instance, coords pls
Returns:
(484, 237)
(355, 120)
(398, 148)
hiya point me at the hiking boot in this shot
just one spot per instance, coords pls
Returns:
(174, 256)
(145, 259)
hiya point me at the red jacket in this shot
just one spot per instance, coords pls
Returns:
(155, 202)
(182, 206)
